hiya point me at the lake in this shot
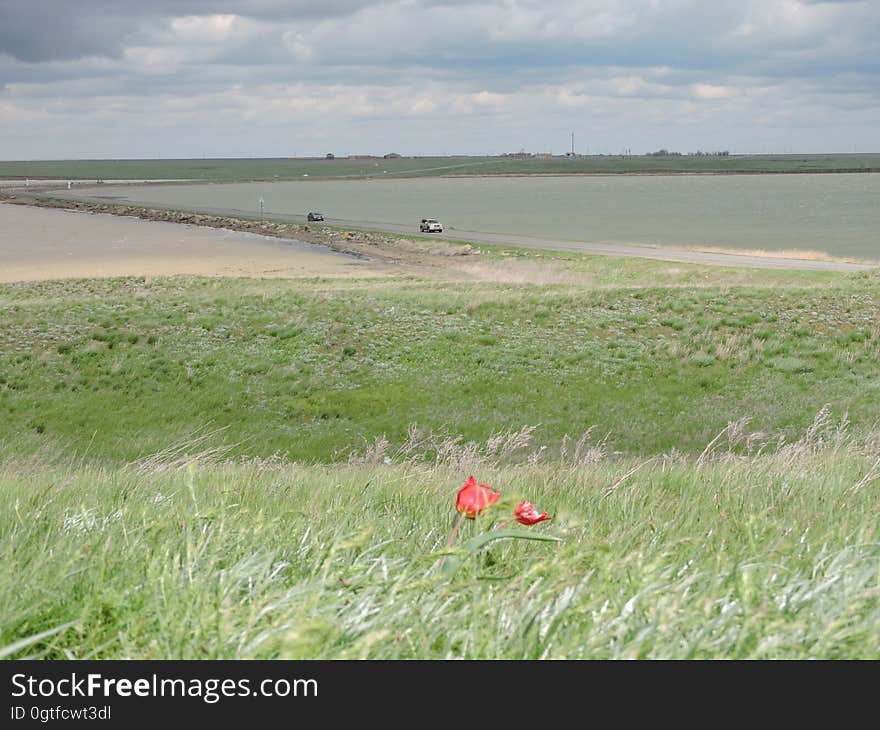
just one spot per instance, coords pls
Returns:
(838, 214)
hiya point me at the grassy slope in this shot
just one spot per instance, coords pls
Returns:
(312, 369)
(286, 169)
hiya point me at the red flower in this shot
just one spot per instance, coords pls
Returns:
(526, 514)
(474, 497)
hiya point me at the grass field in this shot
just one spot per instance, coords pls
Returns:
(774, 556)
(296, 168)
(313, 369)
(220, 468)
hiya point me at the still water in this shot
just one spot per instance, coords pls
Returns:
(834, 213)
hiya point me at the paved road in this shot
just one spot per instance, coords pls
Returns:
(502, 239)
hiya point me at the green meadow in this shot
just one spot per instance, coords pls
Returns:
(225, 468)
(313, 369)
(283, 168)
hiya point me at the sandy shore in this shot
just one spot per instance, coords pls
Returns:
(40, 244)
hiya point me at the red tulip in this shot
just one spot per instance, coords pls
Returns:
(474, 497)
(526, 514)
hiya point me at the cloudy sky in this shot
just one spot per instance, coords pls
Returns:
(278, 78)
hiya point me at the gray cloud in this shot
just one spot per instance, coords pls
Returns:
(46, 30)
(30, 32)
(423, 64)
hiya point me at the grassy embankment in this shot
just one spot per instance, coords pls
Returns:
(296, 168)
(311, 369)
(685, 530)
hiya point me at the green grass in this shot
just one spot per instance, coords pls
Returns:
(293, 168)
(770, 556)
(313, 369)
(230, 468)
(596, 271)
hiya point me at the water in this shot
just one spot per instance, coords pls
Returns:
(838, 214)
(24, 182)
(39, 244)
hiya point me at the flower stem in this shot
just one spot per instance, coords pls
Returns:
(452, 537)
(455, 530)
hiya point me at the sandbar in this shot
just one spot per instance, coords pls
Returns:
(43, 244)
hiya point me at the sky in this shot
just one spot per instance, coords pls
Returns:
(110, 79)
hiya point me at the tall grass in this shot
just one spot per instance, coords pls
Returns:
(768, 555)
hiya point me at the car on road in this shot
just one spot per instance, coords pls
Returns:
(313, 216)
(429, 225)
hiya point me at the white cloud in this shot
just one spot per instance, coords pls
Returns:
(714, 91)
(205, 28)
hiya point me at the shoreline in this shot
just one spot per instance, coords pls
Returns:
(363, 244)
(425, 253)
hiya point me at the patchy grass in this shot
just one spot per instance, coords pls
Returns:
(597, 272)
(312, 369)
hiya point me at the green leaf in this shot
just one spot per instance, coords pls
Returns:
(452, 562)
(16, 646)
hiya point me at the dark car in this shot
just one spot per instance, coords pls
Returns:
(315, 216)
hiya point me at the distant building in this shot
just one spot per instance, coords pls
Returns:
(330, 156)
(392, 156)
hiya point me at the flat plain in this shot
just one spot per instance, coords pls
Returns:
(284, 168)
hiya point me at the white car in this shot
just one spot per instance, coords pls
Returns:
(429, 225)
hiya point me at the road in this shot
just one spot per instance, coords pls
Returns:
(661, 253)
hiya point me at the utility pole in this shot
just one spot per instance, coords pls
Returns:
(572, 144)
